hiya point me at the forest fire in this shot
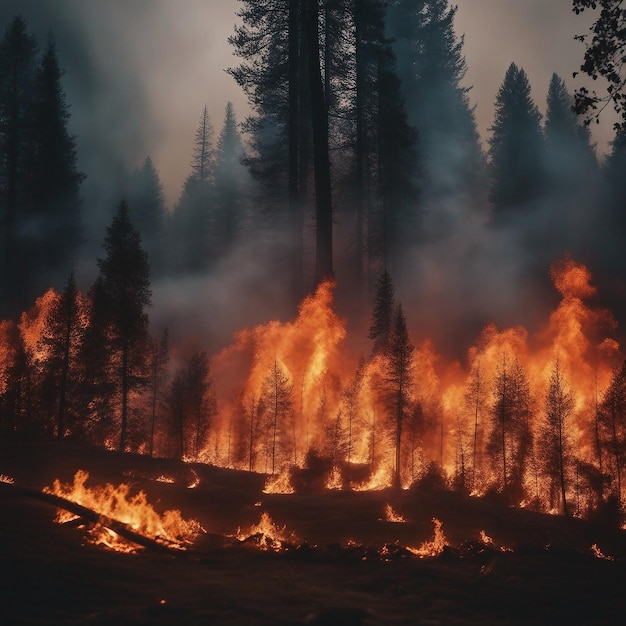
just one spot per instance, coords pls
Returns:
(530, 416)
(117, 503)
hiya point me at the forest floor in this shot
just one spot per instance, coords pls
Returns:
(336, 571)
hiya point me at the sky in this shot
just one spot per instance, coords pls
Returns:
(138, 72)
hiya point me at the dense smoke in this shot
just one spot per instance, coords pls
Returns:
(137, 75)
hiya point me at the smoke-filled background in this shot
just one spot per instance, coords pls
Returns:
(138, 74)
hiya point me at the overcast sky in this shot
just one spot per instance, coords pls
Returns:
(140, 71)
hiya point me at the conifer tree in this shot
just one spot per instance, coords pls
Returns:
(516, 150)
(60, 341)
(229, 183)
(18, 55)
(382, 314)
(612, 422)
(399, 374)
(54, 182)
(192, 221)
(278, 402)
(556, 440)
(147, 205)
(431, 66)
(125, 276)
(510, 439)
(571, 158)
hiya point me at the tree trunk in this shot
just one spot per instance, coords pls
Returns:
(321, 159)
(124, 420)
(295, 208)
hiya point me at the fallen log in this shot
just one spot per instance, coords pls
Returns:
(89, 515)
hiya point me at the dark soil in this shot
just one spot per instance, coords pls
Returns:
(333, 574)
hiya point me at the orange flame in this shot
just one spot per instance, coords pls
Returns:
(268, 535)
(117, 503)
(435, 546)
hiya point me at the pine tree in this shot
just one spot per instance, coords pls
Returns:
(192, 221)
(516, 150)
(278, 401)
(96, 389)
(125, 275)
(54, 202)
(612, 422)
(555, 440)
(191, 406)
(431, 66)
(60, 340)
(230, 181)
(18, 54)
(571, 158)
(399, 375)
(147, 205)
(382, 314)
(510, 440)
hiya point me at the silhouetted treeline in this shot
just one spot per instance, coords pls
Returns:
(40, 219)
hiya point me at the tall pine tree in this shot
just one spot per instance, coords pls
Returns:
(516, 149)
(125, 286)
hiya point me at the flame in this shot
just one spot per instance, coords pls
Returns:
(486, 539)
(380, 479)
(435, 546)
(267, 534)
(281, 483)
(6, 479)
(599, 554)
(196, 480)
(133, 510)
(392, 516)
(339, 407)
(165, 479)
(335, 480)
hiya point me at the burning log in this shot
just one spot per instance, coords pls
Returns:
(88, 515)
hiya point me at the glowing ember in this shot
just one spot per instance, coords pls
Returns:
(393, 516)
(267, 534)
(281, 483)
(599, 554)
(118, 504)
(435, 546)
(165, 479)
(6, 479)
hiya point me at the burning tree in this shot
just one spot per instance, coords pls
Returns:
(278, 400)
(555, 437)
(612, 422)
(61, 336)
(398, 368)
(510, 440)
